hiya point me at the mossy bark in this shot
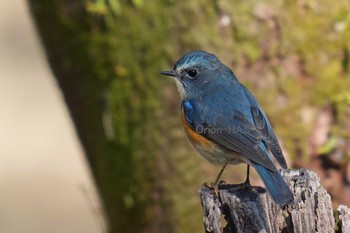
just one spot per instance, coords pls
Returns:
(104, 74)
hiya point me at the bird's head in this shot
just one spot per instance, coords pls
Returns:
(195, 73)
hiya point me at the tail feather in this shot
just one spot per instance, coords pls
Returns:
(275, 184)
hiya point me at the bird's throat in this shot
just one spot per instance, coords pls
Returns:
(181, 89)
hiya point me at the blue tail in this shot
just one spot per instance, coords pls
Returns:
(275, 184)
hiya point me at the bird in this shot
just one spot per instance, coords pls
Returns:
(224, 122)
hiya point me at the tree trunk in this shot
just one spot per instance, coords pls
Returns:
(252, 210)
(98, 53)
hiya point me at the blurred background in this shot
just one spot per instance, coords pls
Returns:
(102, 114)
(45, 183)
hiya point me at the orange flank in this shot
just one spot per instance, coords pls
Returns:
(192, 135)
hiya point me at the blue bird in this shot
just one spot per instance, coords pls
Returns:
(224, 122)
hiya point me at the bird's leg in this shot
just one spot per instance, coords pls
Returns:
(215, 184)
(247, 181)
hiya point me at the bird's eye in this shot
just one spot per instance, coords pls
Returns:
(192, 73)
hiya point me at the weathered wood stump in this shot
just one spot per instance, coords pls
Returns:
(236, 208)
(343, 213)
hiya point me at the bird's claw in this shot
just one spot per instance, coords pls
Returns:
(222, 182)
(247, 185)
(214, 187)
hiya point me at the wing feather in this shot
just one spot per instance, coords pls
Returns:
(268, 136)
(237, 134)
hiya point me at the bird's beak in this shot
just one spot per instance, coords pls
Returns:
(169, 73)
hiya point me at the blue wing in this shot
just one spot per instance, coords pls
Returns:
(233, 132)
(264, 127)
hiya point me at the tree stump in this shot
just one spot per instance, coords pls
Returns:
(344, 219)
(236, 208)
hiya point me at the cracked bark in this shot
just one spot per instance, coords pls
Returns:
(238, 209)
(343, 213)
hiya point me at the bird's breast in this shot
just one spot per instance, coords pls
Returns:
(193, 136)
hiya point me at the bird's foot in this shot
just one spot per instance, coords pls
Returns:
(215, 187)
(222, 182)
(211, 186)
(246, 184)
